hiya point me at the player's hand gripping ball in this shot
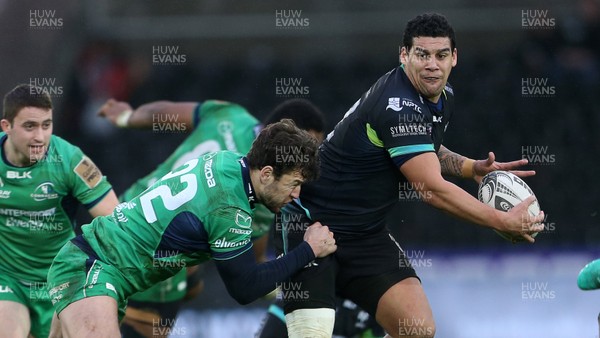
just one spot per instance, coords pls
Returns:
(503, 190)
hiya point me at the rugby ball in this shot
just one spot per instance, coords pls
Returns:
(503, 190)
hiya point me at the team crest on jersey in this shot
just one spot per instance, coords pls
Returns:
(394, 104)
(88, 172)
(44, 191)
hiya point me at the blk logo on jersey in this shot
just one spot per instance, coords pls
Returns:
(18, 175)
(44, 191)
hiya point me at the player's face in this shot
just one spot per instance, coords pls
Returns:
(428, 64)
(279, 192)
(29, 135)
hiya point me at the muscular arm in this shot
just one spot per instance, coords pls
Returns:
(452, 163)
(424, 171)
(146, 115)
(246, 280)
(105, 206)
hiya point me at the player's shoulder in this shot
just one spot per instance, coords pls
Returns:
(59, 144)
(219, 108)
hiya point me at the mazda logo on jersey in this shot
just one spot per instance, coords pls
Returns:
(16, 174)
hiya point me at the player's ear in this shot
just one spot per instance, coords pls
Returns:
(403, 55)
(266, 175)
(454, 57)
(5, 125)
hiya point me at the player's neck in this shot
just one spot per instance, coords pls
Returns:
(14, 157)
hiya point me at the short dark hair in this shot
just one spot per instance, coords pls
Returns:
(304, 113)
(428, 25)
(287, 149)
(25, 95)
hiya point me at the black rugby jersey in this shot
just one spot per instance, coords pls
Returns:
(360, 159)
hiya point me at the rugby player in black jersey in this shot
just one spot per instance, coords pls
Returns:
(392, 135)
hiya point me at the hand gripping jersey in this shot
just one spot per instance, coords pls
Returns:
(360, 159)
(38, 205)
(199, 211)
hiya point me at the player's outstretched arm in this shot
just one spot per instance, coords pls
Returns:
(589, 276)
(424, 172)
(458, 165)
(122, 115)
(247, 281)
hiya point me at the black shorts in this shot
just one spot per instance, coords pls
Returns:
(362, 269)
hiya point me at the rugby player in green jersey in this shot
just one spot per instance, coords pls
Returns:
(212, 125)
(42, 179)
(200, 211)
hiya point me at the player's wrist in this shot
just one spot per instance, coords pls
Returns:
(122, 120)
(468, 168)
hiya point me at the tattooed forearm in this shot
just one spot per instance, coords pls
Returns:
(450, 162)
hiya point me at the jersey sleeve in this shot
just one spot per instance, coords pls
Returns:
(229, 231)
(402, 131)
(89, 186)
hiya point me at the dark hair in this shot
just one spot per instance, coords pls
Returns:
(428, 25)
(25, 95)
(286, 148)
(303, 112)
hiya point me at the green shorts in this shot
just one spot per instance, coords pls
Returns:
(75, 275)
(35, 297)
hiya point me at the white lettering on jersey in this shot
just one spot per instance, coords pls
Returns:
(223, 243)
(16, 174)
(208, 173)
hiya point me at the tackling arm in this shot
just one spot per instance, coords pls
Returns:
(122, 115)
(425, 169)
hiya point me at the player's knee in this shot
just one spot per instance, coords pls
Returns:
(316, 323)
